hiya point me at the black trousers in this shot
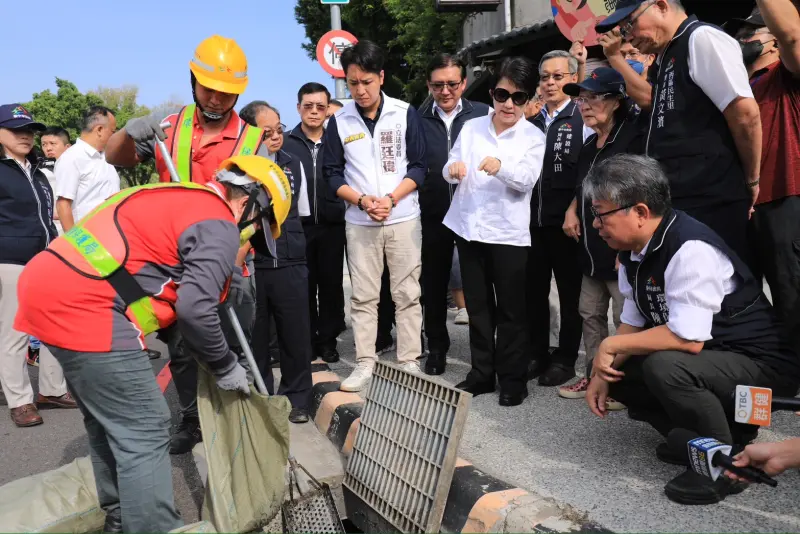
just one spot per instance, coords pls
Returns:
(183, 356)
(438, 242)
(776, 227)
(553, 253)
(730, 222)
(494, 282)
(325, 244)
(283, 292)
(670, 389)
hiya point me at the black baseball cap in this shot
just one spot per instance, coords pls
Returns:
(13, 116)
(754, 21)
(623, 10)
(602, 80)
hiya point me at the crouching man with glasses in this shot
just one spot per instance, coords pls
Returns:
(695, 322)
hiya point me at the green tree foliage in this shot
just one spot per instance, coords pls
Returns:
(409, 31)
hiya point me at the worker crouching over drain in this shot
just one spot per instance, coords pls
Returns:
(148, 257)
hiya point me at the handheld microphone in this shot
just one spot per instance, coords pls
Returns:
(754, 406)
(709, 457)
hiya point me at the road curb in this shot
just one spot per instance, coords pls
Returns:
(476, 502)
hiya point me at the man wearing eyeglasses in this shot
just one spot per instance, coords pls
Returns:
(705, 126)
(552, 252)
(282, 277)
(695, 323)
(324, 228)
(442, 119)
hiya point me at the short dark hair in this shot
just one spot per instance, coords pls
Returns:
(443, 60)
(519, 71)
(94, 115)
(366, 55)
(251, 111)
(57, 131)
(312, 88)
(627, 180)
(335, 102)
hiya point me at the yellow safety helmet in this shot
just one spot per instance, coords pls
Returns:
(220, 64)
(274, 196)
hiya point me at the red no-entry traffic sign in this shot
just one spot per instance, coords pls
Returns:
(330, 48)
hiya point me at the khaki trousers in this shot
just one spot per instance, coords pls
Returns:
(593, 307)
(401, 245)
(14, 377)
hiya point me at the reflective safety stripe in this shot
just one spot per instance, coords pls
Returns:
(182, 145)
(104, 263)
(248, 142)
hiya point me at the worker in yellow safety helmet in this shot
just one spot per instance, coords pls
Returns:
(199, 137)
(151, 257)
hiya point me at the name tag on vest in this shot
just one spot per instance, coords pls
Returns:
(391, 145)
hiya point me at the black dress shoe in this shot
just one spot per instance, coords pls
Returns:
(435, 363)
(556, 375)
(113, 522)
(330, 356)
(537, 366)
(692, 488)
(513, 399)
(187, 435)
(668, 456)
(298, 415)
(476, 388)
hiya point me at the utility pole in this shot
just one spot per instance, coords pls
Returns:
(336, 24)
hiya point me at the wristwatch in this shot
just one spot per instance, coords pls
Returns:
(391, 197)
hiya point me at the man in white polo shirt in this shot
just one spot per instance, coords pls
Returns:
(83, 177)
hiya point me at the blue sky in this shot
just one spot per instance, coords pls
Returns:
(149, 43)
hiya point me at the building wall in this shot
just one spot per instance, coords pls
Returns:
(527, 12)
(482, 25)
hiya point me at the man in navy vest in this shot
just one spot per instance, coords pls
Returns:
(695, 323)
(705, 126)
(442, 119)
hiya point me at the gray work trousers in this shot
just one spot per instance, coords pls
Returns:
(128, 420)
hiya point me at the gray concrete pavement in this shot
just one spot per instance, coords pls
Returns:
(604, 468)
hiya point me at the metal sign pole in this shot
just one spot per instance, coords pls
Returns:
(336, 24)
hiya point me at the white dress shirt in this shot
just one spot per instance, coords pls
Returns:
(548, 119)
(697, 279)
(495, 209)
(448, 119)
(716, 66)
(85, 177)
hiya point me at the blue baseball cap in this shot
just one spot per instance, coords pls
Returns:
(623, 10)
(602, 80)
(13, 116)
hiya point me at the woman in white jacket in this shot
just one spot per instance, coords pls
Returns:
(496, 161)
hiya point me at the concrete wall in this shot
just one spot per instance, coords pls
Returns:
(527, 12)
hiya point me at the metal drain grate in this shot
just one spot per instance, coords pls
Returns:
(405, 450)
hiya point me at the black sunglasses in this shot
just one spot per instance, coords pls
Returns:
(520, 98)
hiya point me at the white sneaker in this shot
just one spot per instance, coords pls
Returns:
(358, 379)
(411, 367)
(462, 317)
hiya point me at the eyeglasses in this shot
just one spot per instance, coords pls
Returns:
(438, 87)
(625, 28)
(599, 216)
(558, 76)
(322, 108)
(594, 98)
(269, 132)
(519, 98)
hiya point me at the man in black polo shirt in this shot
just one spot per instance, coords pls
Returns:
(442, 119)
(705, 127)
(552, 252)
(695, 322)
(324, 227)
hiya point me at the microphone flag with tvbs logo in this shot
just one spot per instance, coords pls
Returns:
(701, 452)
